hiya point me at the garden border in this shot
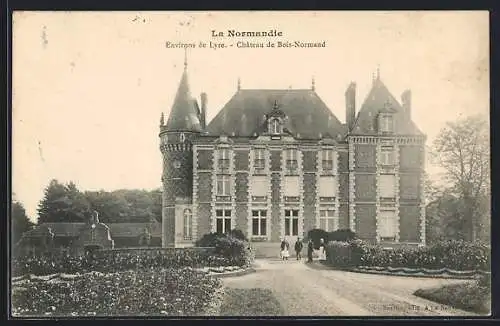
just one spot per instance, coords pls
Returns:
(411, 272)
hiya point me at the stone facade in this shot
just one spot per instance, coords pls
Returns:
(269, 180)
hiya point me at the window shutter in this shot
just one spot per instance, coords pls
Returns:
(327, 186)
(260, 185)
(387, 224)
(387, 184)
(291, 185)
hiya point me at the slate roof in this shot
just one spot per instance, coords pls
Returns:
(244, 114)
(185, 113)
(380, 99)
(116, 229)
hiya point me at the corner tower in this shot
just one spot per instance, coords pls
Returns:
(176, 136)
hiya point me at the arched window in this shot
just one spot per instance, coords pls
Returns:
(188, 216)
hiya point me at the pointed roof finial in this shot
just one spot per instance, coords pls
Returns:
(185, 59)
(313, 84)
(239, 83)
(378, 72)
(275, 104)
(162, 119)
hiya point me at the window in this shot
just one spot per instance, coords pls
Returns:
(187, 224)
(223, 220)
(224, 160)
(291, 165)
(259, 222)
(259, 162)
(387, 225)
(387, 184)
(326, 220)
(291, 186)
(275, 127)
(260, 185)
(223, 185)
(386, 123)
(327, 187)
(327, 160)
(387, 155)
(292, 222)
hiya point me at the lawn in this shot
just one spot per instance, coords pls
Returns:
(468, 296)
(250, 302)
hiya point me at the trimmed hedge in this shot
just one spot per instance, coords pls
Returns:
(338, 235)
(454, 255)
(171, 291)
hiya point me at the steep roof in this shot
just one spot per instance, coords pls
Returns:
(184, 115)
(380, 99)
(245, 112)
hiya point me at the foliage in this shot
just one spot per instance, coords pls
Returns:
(171, 291)
(316, 235)
(453, 254)
(467, 296)
(238, 234)
(341, 235)
(209, 239)
(63, 203)
(108, 261)
(20, 221)
(462, 150)
(229, 245)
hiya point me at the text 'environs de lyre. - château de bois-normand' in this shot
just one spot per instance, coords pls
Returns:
(232, 33)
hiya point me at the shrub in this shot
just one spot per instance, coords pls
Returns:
(238, 234)
(118, 260)
(455, 255)
(169, 291)
(338, 253)
(209, 239)
(316, 235)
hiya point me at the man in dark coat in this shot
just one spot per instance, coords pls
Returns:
(298, 249)
(310, 251)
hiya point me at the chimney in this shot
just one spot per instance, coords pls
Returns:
(203, 118)
(406, 102)
(350, 105)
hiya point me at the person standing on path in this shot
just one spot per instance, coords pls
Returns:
(322, 249)
(298, 248)
(310, 249)
(284, 249)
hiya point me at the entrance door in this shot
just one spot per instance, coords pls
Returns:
(291, 222)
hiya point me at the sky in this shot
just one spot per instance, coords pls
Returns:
(89, 87)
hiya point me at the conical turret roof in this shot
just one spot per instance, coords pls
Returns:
(184, 115)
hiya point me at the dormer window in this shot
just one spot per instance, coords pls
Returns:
(275, 127)
(224, 160)
(386, 123)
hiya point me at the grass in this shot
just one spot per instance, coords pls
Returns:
(250, 302)
(468, 296)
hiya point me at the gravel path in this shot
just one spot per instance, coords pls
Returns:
(312, 290)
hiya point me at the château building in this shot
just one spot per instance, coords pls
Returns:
(277, 163)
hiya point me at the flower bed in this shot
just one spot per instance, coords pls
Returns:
(167, 292)
(108, 261)
(451, 255)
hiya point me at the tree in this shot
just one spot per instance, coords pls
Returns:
(20, 222)
(63, 203)
(462, 150)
